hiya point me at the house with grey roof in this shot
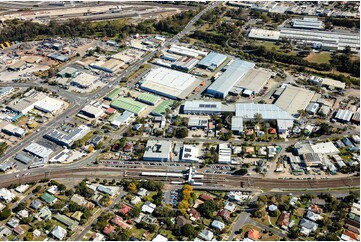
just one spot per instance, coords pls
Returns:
(206, 235)
(307, 226)
(58, 232)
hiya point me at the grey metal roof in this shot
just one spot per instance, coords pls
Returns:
(268, 111)
(230, 77)
(23, 158)
(213, 59)
(199, 106)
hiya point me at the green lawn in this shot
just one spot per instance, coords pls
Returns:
(319, 58)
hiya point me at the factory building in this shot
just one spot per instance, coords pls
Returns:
(180, 50)
(49, 105)
(189, 153)
(307, 23)
(10, 129)
(252, 82)
(184, 63)
(67, 138)
(294, 99)
(212, 61)
(264, 34)
(91, 111)
(224, 154)
(58, 57)
(169, 83)
(234, 73)
(202, 107)
(122, 119)
(128, 104)
(67, 72)
(148, 98)
(4, 91)
(198, 122)
(39, 150)
(84, 80)
(312, 108)
(169, 57)
(157, 150)
(111, 65)
(356, 117)
(344, 115)
(113, 94)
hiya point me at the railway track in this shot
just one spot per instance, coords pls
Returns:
(223, 180)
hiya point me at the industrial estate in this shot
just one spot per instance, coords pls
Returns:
(179, 121)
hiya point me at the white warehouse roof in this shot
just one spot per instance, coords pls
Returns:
(49, 105)
(39, 150)
(344, 115)
(181, 50)
(169, 83)
(264, 34)
(268, 111)
(200, 106)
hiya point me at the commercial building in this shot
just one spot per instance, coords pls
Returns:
(67, 138)
(111, 65)
(327, 40)
(202, 107)
(333, 84)
(84, 80)
(307, 23)
(184, 63)
(343, 115)
(157, 150)
(148, 98)
(264, 34)
(68, 72)
(237, 125)
(4, 91)
(91, 111)
(49, 105)
(189, 153)
(252, 82)
(113, 94)
(58, 57)
(39, 150)
(128, 104)
(212, 61)
(294, 99)
(169, 83)
(23, 105)
(122, 119)
(224, 154)
(312, 108)
(234, 73)
(10, 129)
(327, 148)
(198, 122)
(169, 57)
(180, 50)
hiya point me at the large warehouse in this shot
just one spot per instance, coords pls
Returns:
(169, 83)
(181, 50)
(234, 73)
(247, 111)
(294, 99)
(307, 23)
(202, 107)
(212, 61)
(264, 34)
(158, 150)
(49, 105)
(252, 82)
(128, 104)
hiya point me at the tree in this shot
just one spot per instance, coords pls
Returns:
(69, 193)
(36, 189)
(189, 231)
(208, 208)
(258, 118)
(181, 133)
(132, 187)
(134, 212)
(5, 213)
(91, 149)
(28, 236)
(21, 206)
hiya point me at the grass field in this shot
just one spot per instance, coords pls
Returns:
(319, 58)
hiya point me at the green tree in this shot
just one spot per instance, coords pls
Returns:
(5, 213)
(208, 208)
(28, 236)
(189, 231)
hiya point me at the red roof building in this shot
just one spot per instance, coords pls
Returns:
(109, 229)
(206, 197)
(284, 219)
(225, 214)
(128, 147)
(351, 234)
(124, 209)
(272, 131)
(110, 111)
(254, 234)
(194, 213)
(315, 209)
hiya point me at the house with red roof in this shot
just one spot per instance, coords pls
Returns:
(225, 214)
(124, 209)
(128, 147)
(206, 197)
(109, 229)
(272, 131)
(254, 234)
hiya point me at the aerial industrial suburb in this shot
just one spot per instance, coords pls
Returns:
(180, 120)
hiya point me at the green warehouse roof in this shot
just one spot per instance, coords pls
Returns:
(162, 107)
(113, 94)
(148, 98)
(48, 197)
(128, 104)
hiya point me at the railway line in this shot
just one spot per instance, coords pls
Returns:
(216, 180)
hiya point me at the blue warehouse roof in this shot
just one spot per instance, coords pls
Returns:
(213, 60)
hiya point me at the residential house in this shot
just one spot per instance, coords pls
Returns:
(120, 222)
(254, 234)
(319, 202)
(19, 230)
(148, 207)
(315, 209)
(206, 197)
(48, 198)
(43, 214)
(206, 235)
(307, 226)
(77, 216)
(160, 238)
(80, 200)
(22, 214)
(313, 216)
(143, 192)
(36, 204)
(58, 232)
(124, 210)
(284, 220)
(218, 225)
(97, 237)
(128, 147)
(109, 229)
(13, 222)
(36, 233)
(230, 206)
(181, 221)
(194, 214)
(225, 214)
(53, 189)
(135, 200)
(4, 231)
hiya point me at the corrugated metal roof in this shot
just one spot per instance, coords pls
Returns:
(268, 111)
(213, 59)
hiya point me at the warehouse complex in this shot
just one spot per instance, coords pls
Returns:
(169, 83)
(212, 61)
(234, 73)
(294, 99)
(264, 34)
(181, 50)
(307, 23)
(252, 82)
(158, 150)
(67, 138)
(148, 98)
(83, 81)
(202, 107)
